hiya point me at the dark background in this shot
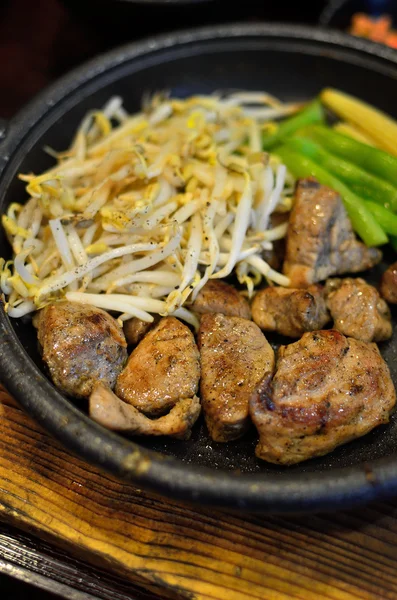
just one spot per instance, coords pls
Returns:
(42, 39)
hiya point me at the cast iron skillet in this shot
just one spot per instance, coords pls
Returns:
(293, 63)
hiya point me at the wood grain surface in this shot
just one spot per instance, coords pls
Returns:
(38, 564)
(177, 551)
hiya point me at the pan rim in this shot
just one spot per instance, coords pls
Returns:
(289, 492)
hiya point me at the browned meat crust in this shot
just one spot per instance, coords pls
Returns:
(220, 297)
(275, 256)
(327, 390)
(358, 310)
(111, 412)
(320, 240)
(135, 329)
(290, 312)
(388, 284)
(235, 356)
(162, 369)
(81, 346)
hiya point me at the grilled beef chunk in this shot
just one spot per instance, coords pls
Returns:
(81, 345)
(358, 310)
(290, 312)
(275, 256)
(135, 329)
(328, 389)
(220, 297)
(320, 240)
(163, 369)
(235, 356)
(111, 412)
(388, 284)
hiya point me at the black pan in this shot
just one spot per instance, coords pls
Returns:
(294, 63)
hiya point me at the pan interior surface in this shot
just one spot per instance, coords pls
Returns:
(292, 66)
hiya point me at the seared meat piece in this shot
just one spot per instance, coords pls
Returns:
(220, 297)
(289, 311)
(272, 258)
(135, 329)
(327, 390)
(235, 356)
(275, 257)
(111, 412)
(388, 284)
(162, 369)
(358, 310)
(82, 345)
(320, 239)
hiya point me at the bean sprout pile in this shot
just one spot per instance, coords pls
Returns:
(144, 209)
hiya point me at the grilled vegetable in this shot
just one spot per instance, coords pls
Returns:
(312, 113)
(371, 159)
(377, 124)
(354, 132)
(386, 219)
(361, 182)
(362, 219)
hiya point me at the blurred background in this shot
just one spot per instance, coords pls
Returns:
(40, 40)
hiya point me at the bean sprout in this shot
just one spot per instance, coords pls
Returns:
(144, 209)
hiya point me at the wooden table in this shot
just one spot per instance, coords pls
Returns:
(71, 527)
